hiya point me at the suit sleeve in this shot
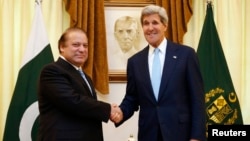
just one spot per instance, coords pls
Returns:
(130, 102)
(65, 91)
(197, 97)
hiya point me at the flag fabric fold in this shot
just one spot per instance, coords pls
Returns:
(21, 122)
(222, 104)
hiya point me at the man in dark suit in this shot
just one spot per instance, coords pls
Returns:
(68, 105)
(177, 111)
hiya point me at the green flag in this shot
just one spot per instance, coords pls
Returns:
(21, 122)
(222, 104)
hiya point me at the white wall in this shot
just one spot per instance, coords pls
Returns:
(121, 133)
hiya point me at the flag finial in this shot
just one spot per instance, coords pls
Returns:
(38, 1)
(209, 1)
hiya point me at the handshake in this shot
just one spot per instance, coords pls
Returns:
(116, 115)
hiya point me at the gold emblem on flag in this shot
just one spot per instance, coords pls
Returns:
(219, 108)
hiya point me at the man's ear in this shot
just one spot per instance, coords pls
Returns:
(61, 49)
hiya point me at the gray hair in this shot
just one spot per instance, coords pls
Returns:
(155, 9)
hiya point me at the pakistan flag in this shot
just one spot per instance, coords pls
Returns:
(222, 104)
(21, 122)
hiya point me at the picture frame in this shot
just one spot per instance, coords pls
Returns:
(114, 9)
(128, 3)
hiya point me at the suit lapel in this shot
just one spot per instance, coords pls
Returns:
(145, 68)
(91, 85)
(74, 73)
(169, 66)
(144, 72)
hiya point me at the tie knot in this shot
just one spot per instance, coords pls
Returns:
(81, 72)
(157, 50)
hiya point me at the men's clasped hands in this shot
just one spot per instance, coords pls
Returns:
(116, 115)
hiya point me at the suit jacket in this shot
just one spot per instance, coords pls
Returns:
(179, 113)
(68, 109)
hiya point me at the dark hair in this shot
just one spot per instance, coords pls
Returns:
(63, 37)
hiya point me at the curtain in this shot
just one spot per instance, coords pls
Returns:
(179, 13)
(89, 15)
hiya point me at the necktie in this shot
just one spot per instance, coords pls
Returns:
(156, 73)
(85, 79)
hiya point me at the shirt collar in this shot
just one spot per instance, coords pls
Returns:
(77, 68)
(162, 47)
